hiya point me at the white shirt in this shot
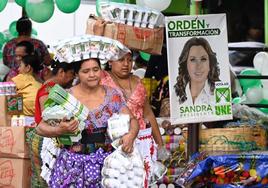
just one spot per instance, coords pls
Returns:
(204, 97)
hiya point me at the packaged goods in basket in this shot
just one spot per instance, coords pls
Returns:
(89, 46)
(136, 38)
(132, 15)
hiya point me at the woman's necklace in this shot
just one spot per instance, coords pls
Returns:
(121, 87)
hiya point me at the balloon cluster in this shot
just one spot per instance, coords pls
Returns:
(42, 10)
(255, 91)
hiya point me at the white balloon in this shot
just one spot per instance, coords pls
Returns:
(140, 3)
(260, 62)
(254, 95)
(265, 84)
(265, 93)
(157, 4)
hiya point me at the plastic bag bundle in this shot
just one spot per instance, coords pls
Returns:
(158, 172)
(122, 170)
(49, 153)
(89, 46)
(132, 15)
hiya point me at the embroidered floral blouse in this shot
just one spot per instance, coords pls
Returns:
(135, 102)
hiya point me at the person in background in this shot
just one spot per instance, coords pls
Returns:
(24, 29)
(62, 74)
(26, 83)
(134, 93)
(22, 49)
(198, 72)
(102, 102)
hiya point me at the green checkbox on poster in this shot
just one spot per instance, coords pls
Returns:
(223, 95)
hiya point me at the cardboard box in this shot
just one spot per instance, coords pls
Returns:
(143, 39)
(15, 173)
(13, 143)
(5, 119)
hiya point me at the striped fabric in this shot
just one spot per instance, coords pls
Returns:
(35, 145)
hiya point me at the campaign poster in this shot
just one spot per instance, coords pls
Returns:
(198, 65)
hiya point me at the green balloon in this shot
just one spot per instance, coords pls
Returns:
(237, 100)
(3, 4)
(68, 6)
(264, 110)
(145, 56)
(2, 38)
(34, 32)
(12, 29)
(249, 83)
(98, 7)
(41, 11)
(21, 2)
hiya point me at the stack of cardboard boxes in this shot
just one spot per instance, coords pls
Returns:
(15, 169)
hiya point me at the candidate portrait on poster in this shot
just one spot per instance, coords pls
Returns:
(198, 65)
(197, 73)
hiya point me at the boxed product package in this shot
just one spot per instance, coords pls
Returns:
(5, 119)
(143, 39)
(12, 142)
(14, 104)
(15, 172)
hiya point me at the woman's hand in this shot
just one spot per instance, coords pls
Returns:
(68, 126)
(127, 142)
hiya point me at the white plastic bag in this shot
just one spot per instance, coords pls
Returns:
(123, 170)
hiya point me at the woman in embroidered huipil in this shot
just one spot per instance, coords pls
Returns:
(73, 167)
(134, 94)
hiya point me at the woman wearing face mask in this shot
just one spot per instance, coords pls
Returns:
(198, 72)
(102, 102)
(134, 93)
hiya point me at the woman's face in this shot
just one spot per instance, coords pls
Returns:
(123, 66)
(198, 64)
(23, 69)
(20, 52)
(89, 73)
(67, 78)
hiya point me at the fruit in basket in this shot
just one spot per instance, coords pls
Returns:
(245, 174)
(230, 174)
(252, 172)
